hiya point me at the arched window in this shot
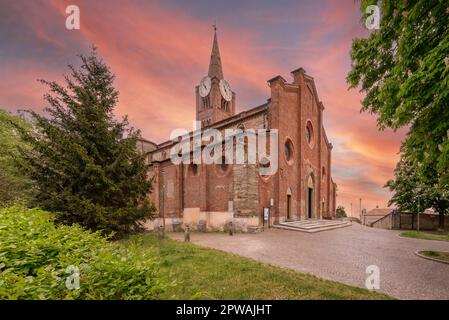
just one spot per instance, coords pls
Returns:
(309, 134)
(264, 167)
(222, 168)
(194, 169)
(224, 105)
(288, 150)
(206, 102)
(223, 165)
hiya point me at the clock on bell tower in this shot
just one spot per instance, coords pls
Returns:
(215, 99)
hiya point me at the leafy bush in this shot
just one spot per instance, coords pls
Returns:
(341, 213)
(35, 254)
(14, 184)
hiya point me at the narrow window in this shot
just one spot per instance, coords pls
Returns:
(206, 102)
(224, 104)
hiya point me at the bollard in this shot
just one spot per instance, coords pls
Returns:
(231, 229)
(161, 232)
(187, 234)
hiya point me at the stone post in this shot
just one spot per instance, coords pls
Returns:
(161, 232)
(187, 233)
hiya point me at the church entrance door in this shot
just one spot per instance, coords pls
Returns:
(310, 195)
(289, 206)
(310, 202)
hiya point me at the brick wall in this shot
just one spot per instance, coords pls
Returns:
(211, 188)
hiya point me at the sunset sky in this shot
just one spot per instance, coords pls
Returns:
(159, 51)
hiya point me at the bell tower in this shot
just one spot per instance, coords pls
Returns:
(215, 100)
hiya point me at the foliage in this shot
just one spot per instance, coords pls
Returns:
(438, 255)
(13, 183)
(408, 190)
(34, 256)
(424, 235)
(84, 162)
(403, 69)
(341, 212)
(413, 192)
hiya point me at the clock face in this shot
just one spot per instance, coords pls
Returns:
(225, 90)
(204, 87)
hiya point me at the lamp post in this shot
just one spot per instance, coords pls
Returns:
(360, 208)
(418, 190)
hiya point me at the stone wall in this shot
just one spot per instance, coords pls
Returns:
(367, 220)
(383, 223)
(246, 190)
(404, 221)
(410, 221)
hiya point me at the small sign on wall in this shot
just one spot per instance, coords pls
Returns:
(266, 214)
(231, 206)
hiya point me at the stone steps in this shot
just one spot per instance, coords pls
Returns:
(312, 226)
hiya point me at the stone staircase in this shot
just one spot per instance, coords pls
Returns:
(312, 225)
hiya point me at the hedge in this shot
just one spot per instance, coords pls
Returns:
(37, 258)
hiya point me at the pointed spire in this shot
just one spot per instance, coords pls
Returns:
(215, 69)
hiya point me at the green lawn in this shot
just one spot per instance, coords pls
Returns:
(439, 255)
(201, 273)
(424, 235)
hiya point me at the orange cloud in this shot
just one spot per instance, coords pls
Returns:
(159, 53)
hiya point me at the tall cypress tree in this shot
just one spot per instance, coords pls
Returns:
(84, 162)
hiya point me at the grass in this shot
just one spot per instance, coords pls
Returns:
(439, 255)
(424, 235)
(202, 273)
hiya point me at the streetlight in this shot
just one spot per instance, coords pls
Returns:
(418, 190)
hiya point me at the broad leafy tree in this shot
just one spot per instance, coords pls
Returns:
(409, 192)
(413, 192)
(341, 212)
(84, 161)
(403, 70)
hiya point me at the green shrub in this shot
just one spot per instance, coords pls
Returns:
(34, 256)
(14, 184)
(341, 213)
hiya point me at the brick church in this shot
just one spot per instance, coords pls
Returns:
(210, 196)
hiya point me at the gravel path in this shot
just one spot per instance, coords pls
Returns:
(343, 255)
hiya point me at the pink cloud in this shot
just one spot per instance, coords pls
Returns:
(159, 54)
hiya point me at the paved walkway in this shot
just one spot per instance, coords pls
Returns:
(343, 255)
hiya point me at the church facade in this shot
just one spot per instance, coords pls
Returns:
(211, 196)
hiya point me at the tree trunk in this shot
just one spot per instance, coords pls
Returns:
(441, 220)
